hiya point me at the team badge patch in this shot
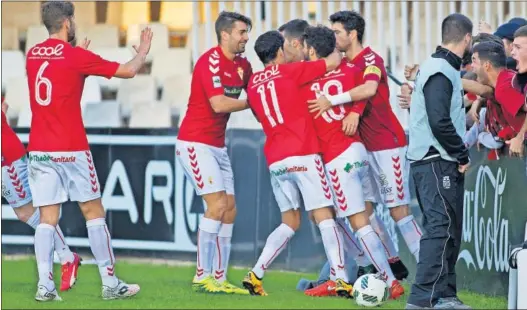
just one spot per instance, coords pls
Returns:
(216, 81)
(240, 72)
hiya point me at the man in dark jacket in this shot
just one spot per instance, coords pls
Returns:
(439, 160)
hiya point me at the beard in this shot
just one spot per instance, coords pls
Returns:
(71, 35)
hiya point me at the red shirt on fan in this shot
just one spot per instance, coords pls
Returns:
(12, 148)
(328, 126)
(511, 99)
(214, 74)
(56, 72)
(275, 98)
(379, 127)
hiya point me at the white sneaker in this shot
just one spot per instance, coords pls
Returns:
(43, 294)
(121, 291)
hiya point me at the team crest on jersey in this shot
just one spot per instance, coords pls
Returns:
(240, 72)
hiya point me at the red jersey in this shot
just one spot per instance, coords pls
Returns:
(12, 148)
(379, 127)
(511, 100)
(332, 139)
(214, 74)
(56, 72)
(276, 100)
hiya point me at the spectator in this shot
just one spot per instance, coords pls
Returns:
(506, 33)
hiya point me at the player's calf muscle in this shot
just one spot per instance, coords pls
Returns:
(369, 208)
(359, 220)
(50, 215)
(92, 209)
(292, 219)
(217, 205)
(323, 214)
(24, 212)
(399, 212)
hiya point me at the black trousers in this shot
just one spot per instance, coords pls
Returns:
(440, 191)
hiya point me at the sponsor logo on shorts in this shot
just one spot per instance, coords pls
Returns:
(5, 191)
(386, 189)
(356, 165)
(285, 170)
(56, 159)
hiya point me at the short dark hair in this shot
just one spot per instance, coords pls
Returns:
(493, 53)
(521, 32)
(294, 29)
(267, 46)
(226, 20)
(322, 39)
(350, 20)
(54, 13)
(486, 37)
(455, 27)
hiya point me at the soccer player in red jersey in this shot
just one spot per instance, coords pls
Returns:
(60, 162)
(291, 150)
(519, 53)
(489, 64)
(344, 156)
(381, 133)
(15, 189)
(217, 81)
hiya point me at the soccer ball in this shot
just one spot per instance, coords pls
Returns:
(370, 290)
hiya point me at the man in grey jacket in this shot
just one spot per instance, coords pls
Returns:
(439, 160)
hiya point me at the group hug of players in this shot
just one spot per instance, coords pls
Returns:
(332, 141)
(333, 145)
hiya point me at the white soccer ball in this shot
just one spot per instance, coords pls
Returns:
(370, 290)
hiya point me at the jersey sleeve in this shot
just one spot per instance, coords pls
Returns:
(89, 63)
(209, 78)
(356, 80)
(372, 71)
(509, 98)
(306, 71)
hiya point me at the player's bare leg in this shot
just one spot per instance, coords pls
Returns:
(223, 249)
(44, 246)
(408, 227)
(101, 247)
(275, 244)
(70, 261)
(374, 249)
(333, 245)
(209, 228)
(399, 269)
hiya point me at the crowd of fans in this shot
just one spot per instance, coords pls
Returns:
(490, 123)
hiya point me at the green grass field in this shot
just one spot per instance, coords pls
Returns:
(169, 287)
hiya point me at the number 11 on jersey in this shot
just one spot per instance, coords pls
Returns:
(274, 99)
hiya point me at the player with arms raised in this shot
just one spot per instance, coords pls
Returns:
(381, 133)
(60, 162)
(217, 81)
(291, 150)
(15, 189)
(344, 155)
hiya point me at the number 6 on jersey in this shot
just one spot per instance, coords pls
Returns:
(46, 82)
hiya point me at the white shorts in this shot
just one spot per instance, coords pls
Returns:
(300, 177)
(346, 173)
(56, 177)
(207, 166)
(387, 180)
(15, 184)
